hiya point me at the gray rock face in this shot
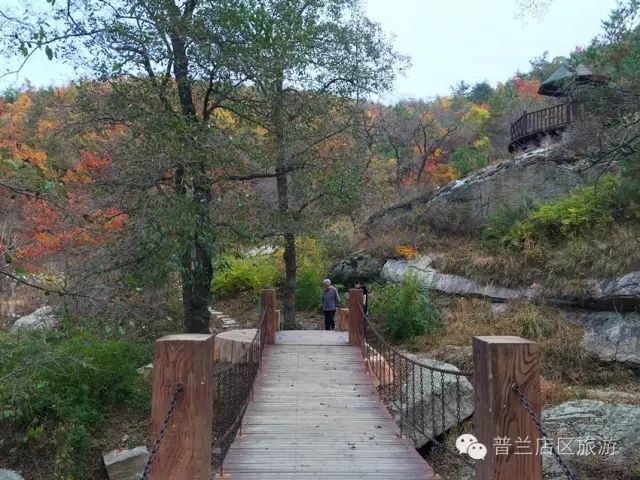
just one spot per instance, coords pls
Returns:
(9, 475)
(359, 266)
(621, 293)
(612, 336)
(598, 424)
(43, 318)
(421, 414)
(396, 270)
(542, 175)
(125, 464)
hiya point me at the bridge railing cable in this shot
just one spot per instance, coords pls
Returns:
(426, 400)
(175, 397)
(554, 452)
(233, 389)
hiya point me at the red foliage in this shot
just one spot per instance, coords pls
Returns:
(527, 88)
(85, 169)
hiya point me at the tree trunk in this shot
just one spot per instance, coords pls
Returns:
(282, 182)
(290, 280)
(197, 271)
(196, 292)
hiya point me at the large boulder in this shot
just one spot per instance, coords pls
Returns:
(622, 293)
(126, 464)
(612, 336)
(542, 175)
(358, 266)
(9, 475)
(44, 318)
(609, 432)
(429, 405)
(396, 270)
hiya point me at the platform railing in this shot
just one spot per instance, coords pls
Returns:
(543, 121)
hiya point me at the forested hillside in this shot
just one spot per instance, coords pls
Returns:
(209, 148)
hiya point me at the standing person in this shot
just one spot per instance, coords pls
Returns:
(365, 295)
(330, 303)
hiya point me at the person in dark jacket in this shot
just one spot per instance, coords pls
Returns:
(330, 303)
(365, 295)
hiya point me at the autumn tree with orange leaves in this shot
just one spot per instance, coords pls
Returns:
(168, 71)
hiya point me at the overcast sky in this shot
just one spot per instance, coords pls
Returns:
(447, 40)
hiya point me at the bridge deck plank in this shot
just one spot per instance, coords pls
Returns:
(315, 415)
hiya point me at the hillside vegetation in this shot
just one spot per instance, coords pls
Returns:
(200, 161)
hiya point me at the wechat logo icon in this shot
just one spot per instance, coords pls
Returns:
(469, 445)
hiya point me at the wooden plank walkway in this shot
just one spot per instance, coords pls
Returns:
(316, 415)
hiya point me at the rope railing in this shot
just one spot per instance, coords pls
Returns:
(554, 452)
(425, 399)
(232, 391)
(175, 396)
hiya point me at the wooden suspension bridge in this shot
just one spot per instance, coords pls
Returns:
(321, 405)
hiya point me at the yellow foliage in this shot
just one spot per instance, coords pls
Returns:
(225, 116)
(436, 154)
(445, 103)
(481, 143)
(406, 251)
(445, 173)
(426, 117)
(478, 114)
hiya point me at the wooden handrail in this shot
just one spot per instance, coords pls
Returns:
(542, 121)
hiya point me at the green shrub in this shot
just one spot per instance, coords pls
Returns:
(309, 290)
(312, 263)
(505, 217)
(467, 159)
(406, 309)
(63, 388)
(578, 212)
(247, 274)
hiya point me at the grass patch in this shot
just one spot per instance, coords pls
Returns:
(58, 391)
(563, 358)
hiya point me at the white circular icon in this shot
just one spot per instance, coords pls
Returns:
(477, 451)
(463, 442)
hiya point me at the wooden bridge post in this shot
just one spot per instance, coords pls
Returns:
(502, 424)
(356, 317)
(185, 449)
(269, 310)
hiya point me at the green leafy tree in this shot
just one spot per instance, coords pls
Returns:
(311, 65)
(166, 66)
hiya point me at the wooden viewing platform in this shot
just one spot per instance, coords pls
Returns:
(316, 415)
(532, 126)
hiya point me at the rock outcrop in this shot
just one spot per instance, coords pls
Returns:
(125, 464)
(44, 318)
(396, 270)
(424, 400)
(358, 266)
(609, 432)
(218, 320)
(622, 294)
(542, 175)
(611, 336)
(9, 475)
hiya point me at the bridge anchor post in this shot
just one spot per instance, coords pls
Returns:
(185, 450)
(356, 317)
(268, 306)
(502, 423)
